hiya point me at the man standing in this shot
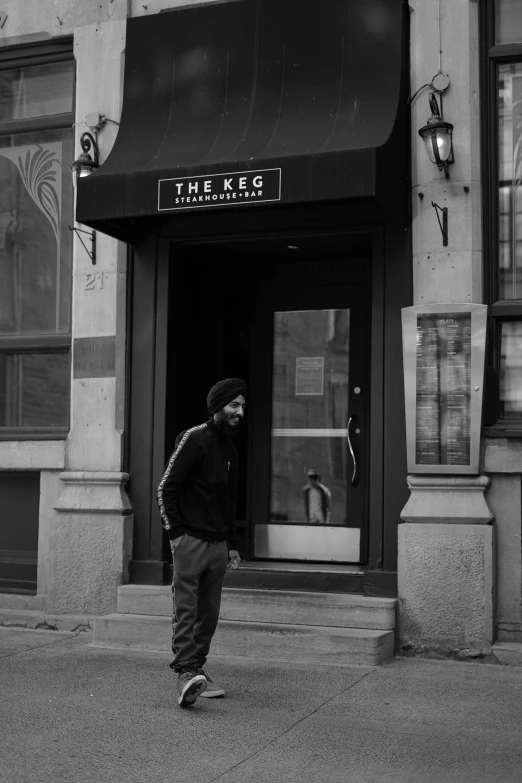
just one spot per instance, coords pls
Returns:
(197, 502)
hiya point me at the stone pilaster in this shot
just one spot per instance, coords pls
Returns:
(446, 542)
(97, 404)
(503, 460)
(92, 538)
(452, 273)
(92, 543)
(446, 565)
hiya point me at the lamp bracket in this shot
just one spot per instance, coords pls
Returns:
(434, 106)
(443, 224)
(95, 120)
(88, 142)
(92, 234)
(440, 82)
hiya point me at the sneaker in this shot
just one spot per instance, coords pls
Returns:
(190, 686)
(212, 691)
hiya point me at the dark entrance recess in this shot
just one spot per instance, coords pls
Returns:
(20, 504)
(199, 308)
(221, 303)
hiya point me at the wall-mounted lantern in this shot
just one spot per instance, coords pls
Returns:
(86, 163)
(437, 137)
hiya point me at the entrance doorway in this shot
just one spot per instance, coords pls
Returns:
(317, 355)
(251, 307)
(299, 331)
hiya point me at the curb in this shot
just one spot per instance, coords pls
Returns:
(42, 621)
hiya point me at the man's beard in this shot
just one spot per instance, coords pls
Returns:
(223, 422)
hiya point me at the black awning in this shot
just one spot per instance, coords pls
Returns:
(270, 100)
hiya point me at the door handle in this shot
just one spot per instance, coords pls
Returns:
(354, 475)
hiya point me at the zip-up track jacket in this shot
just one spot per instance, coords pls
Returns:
(197, 494)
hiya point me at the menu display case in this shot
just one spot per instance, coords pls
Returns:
(444, 349)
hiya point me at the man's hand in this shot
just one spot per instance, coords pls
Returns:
(235, 559)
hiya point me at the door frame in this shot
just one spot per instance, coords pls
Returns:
(276, 291)
(391, 290)
(260, 389)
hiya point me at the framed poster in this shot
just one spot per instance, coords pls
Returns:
(444, 348)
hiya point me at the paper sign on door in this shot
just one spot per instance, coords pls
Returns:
(309, 375)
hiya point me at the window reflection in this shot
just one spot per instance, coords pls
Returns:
(317, 500)
(511, 370)
(36, 91)
(508, 22)
(510, 181)
(309, 460)
(35, 241)
(36, 210)
(34, 389)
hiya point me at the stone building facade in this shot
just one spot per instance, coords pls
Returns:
(82, 447)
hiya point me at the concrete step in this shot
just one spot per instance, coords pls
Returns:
(341, 610)
(285, 575)
(269, 641)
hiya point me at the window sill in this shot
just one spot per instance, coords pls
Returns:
(36, 454)
(31, 433)
(35, 342)
(507, 308)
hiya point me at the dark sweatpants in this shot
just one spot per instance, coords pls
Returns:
(199, 569)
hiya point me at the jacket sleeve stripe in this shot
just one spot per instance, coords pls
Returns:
(165, 520)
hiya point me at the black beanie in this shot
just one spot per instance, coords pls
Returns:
(224, 392)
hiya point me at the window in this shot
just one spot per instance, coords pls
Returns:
(36, 205)
(502, 175)
(508, 22)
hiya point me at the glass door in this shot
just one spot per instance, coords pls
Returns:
(318, 429)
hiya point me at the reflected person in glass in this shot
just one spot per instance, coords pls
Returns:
(317, 500)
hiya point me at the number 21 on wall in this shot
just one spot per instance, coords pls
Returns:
(94, 281)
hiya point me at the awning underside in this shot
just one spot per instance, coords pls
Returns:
(253, 84)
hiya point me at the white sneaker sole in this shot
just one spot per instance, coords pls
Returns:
(217, 694)
(192, 690)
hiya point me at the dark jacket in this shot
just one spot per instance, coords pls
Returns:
(326, 496)
(197, 494)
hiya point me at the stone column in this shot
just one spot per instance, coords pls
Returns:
(92, 542)
(446, 566)
(446, 541)
(503, 461)
(93, 531)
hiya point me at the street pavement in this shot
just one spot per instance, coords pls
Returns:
(72, 713)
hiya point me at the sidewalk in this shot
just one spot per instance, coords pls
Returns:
(70, 713)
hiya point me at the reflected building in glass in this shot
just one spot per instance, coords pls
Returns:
(310, 411)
